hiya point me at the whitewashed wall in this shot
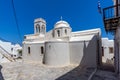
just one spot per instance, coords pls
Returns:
(84, 53)
(3, 59)
(57, 54)
(6, 45)
(35, 52)
(106, 44)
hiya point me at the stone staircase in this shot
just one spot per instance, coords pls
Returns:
(6, 54)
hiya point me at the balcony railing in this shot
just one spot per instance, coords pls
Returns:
(111, 17)
(111, 12)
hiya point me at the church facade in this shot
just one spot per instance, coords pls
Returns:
(62, 47)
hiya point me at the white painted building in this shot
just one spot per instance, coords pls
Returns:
(8, 51)
(15, 51)
(107, 49)
(61, 47)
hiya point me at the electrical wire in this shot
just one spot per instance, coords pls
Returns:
(16, 20)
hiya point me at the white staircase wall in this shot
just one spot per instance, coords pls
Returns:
(6, 45)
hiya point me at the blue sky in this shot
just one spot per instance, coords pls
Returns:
(80, 14)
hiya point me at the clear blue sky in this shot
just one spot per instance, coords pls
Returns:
(80, 14)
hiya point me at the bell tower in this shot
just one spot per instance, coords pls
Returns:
(39, 26)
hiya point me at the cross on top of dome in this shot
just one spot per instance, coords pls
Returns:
(61, 18)
(61, 23)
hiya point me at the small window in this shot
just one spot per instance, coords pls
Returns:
(28, 50)
(65, 31)
(42, 50)
(24, 37)
(110, 50)
(58, 32)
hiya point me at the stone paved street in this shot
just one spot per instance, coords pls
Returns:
(32, 71)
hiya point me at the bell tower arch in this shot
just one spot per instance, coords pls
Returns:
(39, 26)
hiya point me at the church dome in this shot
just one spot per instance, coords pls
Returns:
(62, 24)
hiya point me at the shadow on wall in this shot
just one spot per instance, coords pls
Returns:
(87, 64)
(1, 76)
(90, 53)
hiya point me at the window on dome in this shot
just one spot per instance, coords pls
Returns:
(65, 31)
(58, 32)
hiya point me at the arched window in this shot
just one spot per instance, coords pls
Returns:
(58, 32)
(65, 31)
(36, 29)
(42, 50)
(39, 29)
(28, 50)
(42, 27)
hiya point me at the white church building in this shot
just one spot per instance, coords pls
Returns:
(62, 47)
